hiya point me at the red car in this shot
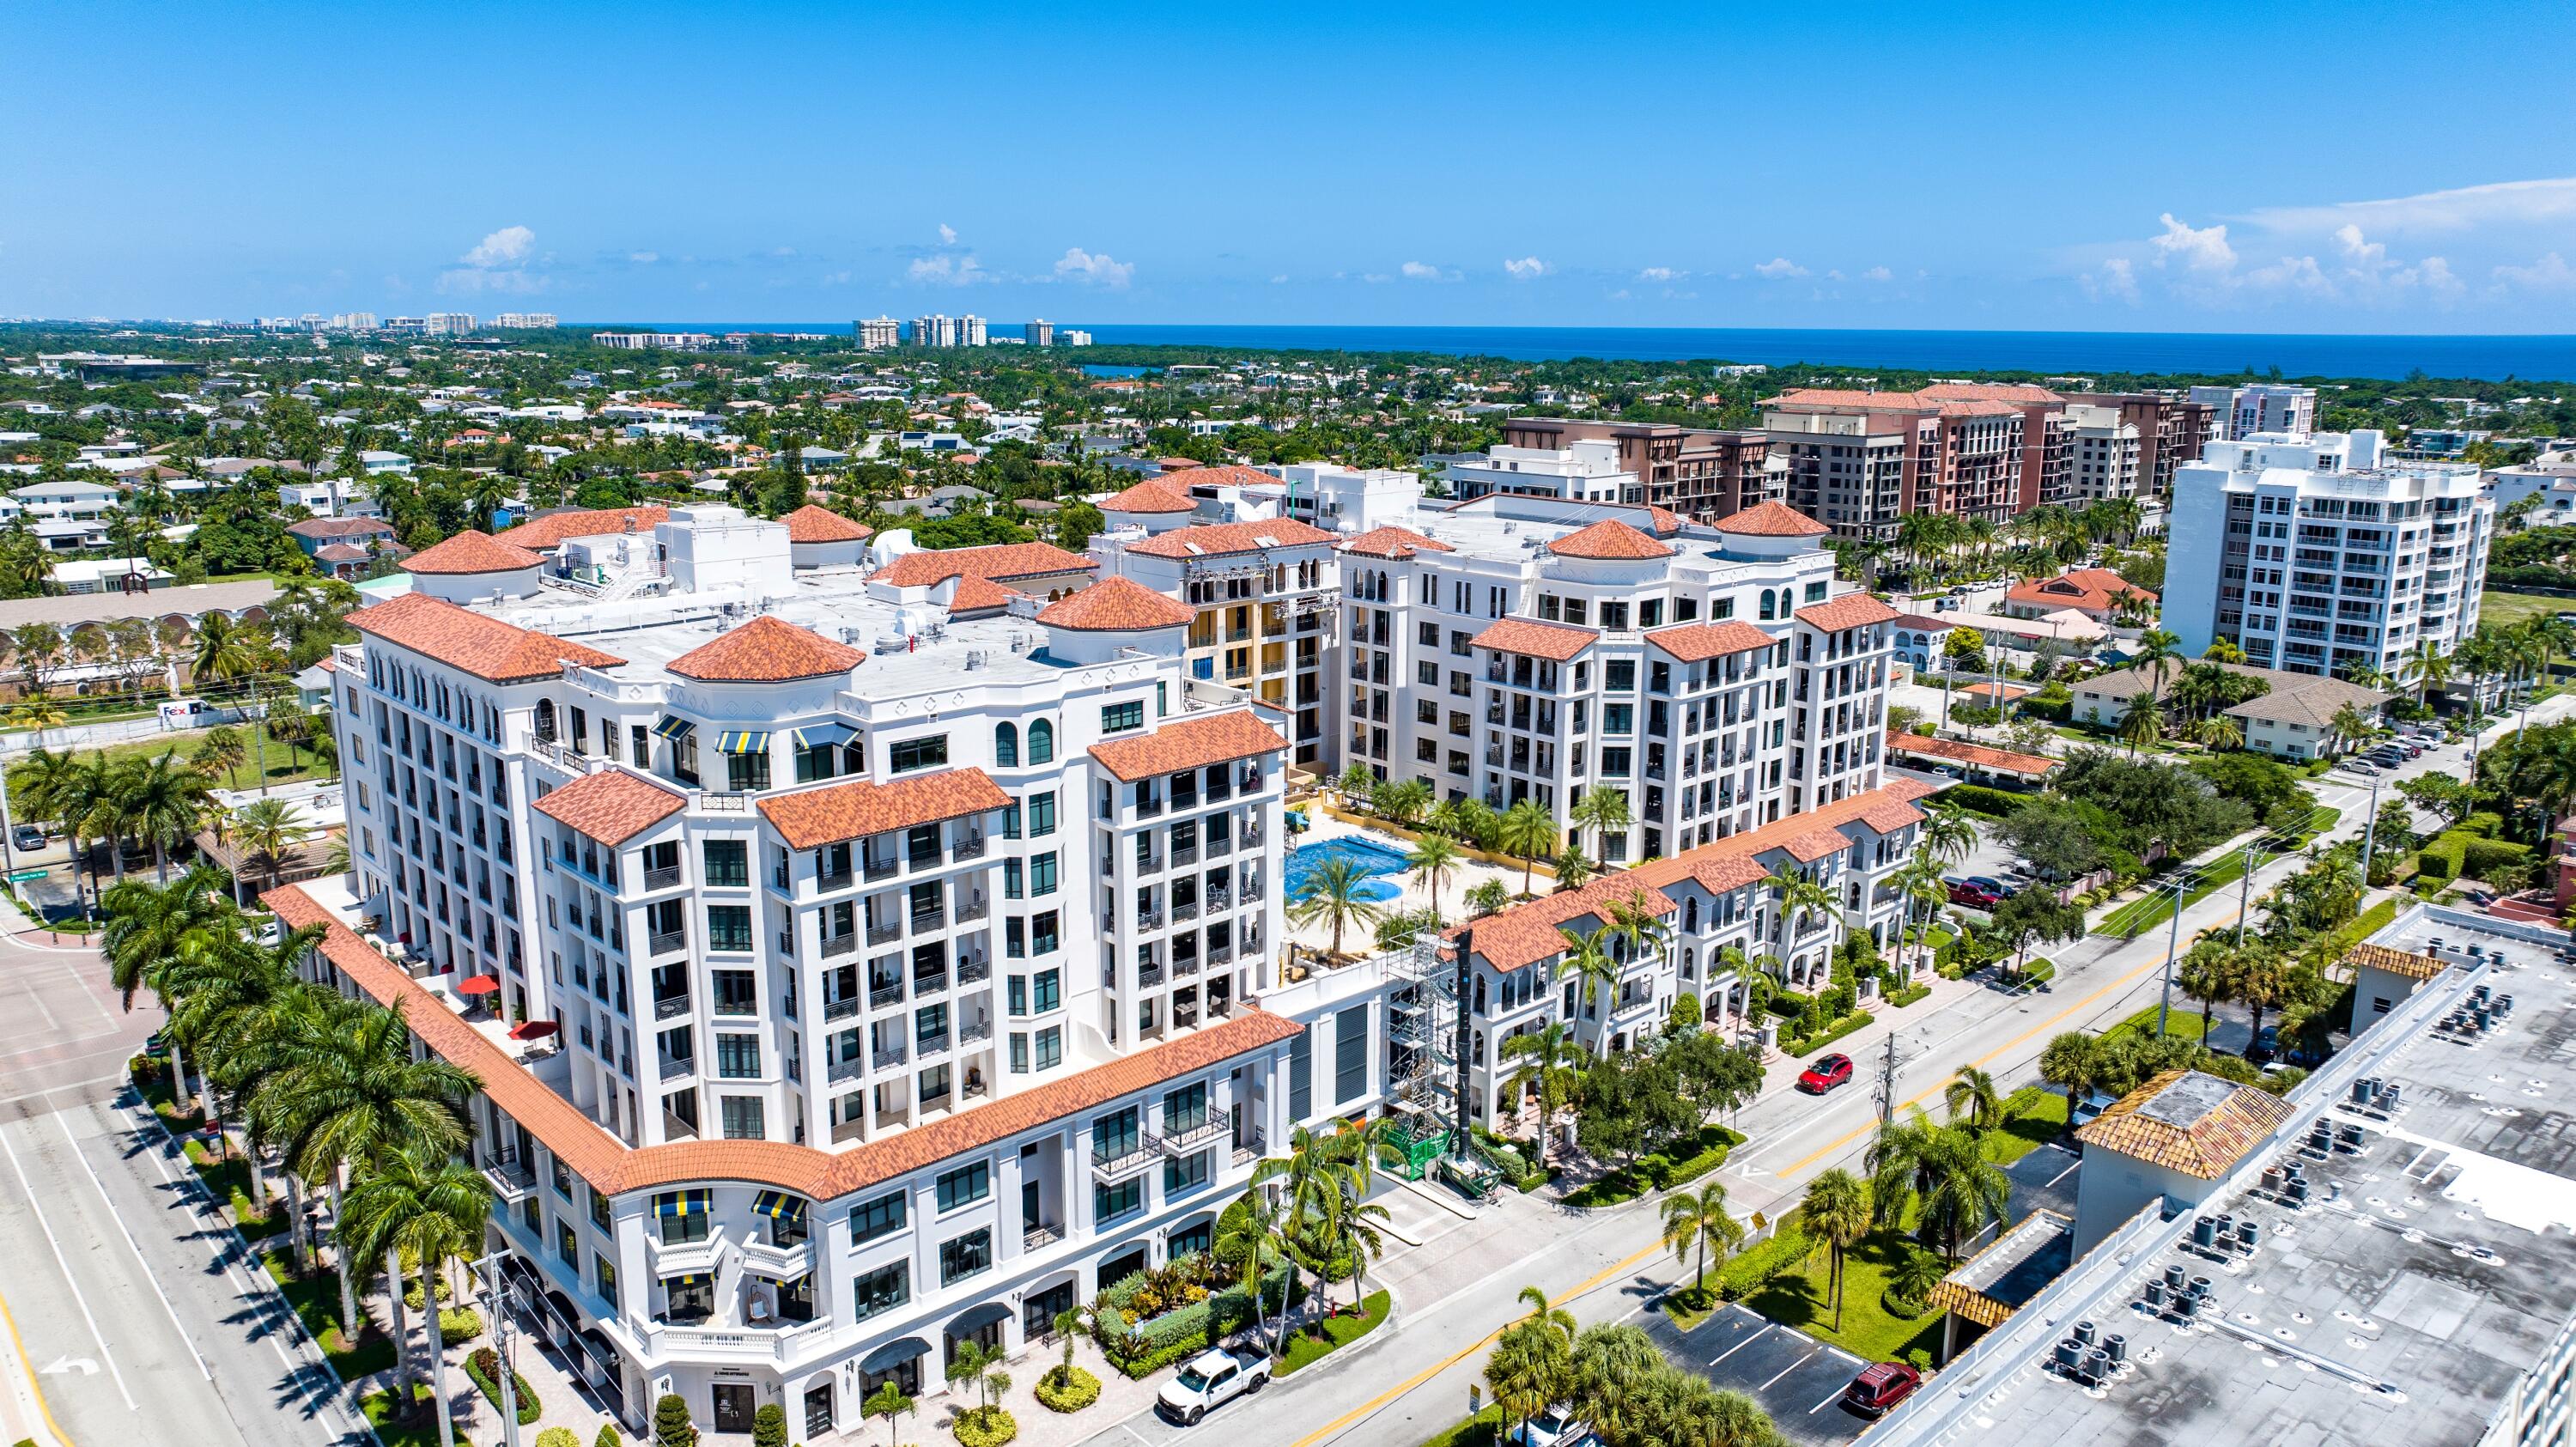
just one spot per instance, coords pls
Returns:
(1973, 895)
(1880, 1386)
(1828, 1072)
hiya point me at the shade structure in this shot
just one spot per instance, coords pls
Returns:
(479, 985)
(821, 735)
(672, 726)
(778, 1206)
(742, 741)
(533, 1029)
(682, 1203)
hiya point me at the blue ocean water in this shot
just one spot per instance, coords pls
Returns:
(2486, 358)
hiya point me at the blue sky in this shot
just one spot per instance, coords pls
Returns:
(2219, 168)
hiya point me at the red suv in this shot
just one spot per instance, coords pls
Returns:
(1880, 1386)
(1828, 1072)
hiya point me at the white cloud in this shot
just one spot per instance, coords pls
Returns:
(1834, 275)
(1424, 271)
(643, 258)
(945, 271)
(2118, 280)
(1661, 273)
(502, 248)
(1079, 265)
(947, 234)
(1876, 273)
(2201, 250)
(2504, 203)
(1780, 266)
(1372, 277)
(783, 251)
(2550, 273)
(1280, 280)
(1526, 268)
(836, 278)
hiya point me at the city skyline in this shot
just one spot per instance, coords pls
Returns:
(1030, 165)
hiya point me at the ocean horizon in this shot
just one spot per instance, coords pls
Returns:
(2388, 357)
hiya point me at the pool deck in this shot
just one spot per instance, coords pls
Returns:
(1453, 894)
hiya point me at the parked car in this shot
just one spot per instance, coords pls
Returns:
(27, 836)
(1992, 885)
(1827, 1072)
(1210, 1380)
(1974, 896)
(2092, 1105)
(1879, 1386)
(1554, 1427)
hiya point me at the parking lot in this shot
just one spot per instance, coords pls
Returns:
(1796, 1378)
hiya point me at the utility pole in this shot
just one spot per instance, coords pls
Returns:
(2245, 891)
(497, 1298)
(1887, 1080)
(2173, 945)
(2369, 834)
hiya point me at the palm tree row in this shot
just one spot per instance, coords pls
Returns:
(328, 1082)
(1306, 1209)
(155, 801)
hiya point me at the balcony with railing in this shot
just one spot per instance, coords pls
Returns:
(843, 1069)
(1183, 1134)
(837, 945)
(662, 878)
(884, 934)
(673, 1069)
(885, 1055)
(974, 1031)
(973, 909)
(926, 920)
(972, 968)
(880, 996)
(511, 1177)
(881, 868)
(670, 1006)
(842, 1008)
(1113, 1163)
(837, 879)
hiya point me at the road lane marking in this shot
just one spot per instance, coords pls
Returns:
(1793, 1366)
(1758, 1333)
(1829, 1401)
(29, 1188)
(59, 1089)
(34, 1388)
(2062, 1175)
(136, 1247)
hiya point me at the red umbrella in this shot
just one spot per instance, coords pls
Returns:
(533, 1029)
(479, 985)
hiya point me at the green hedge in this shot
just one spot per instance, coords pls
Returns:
(1080, 1390)
(1180, 1332)
(1902, 998)
(2459, 854)
(2370, 922)
(1831, 1033)
(484, 1366)
(1979, 799)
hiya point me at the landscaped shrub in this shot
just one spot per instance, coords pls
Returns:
(1078, 1390)
(2482, 855)
(768, 1427)
(608, 1436)
(1809, 1044)
(484, 1366)
(462, 1324)
(1902, 998)
(558, 1437)
(1172, 1332)
(1979, 799)
(984, 1427)
(671, 1424)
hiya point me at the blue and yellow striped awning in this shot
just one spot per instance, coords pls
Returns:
(673, 726)
(742, 741)
(682, 1203)
(697, 1279)
(821, 735)
(778, 1206)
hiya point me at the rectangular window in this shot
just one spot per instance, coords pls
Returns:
(1042, 933)
(1046, 992)
(1184, 1108)
(729, 927)
(1301, 1075)
(1108, 1203)
(883, 1289)
(1018, 990)
(1042, 874)
(1011, 877)
(1116, 1135)
(965, 1256)
(1019, 1053)
(924, 753)
(1350, 1054)
(1015, 937)
(606, 1270)
(1120, 717)
(1050, 1047)
(728, 862)
(747, 773)
(742, 1118)
(738, 1057)
(965, 1186)
(873, 1219)
(1186, 1174)
(1041, 815)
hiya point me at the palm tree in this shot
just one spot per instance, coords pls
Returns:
(269, 829)
(2143, 724)
(1595, 974)
(163, 802)
(1836, 1212)
(220, 754)
(146, 926)
(2208, 973)
(2262, 981)
(1482, 899)
(1550, 1065)
(1799, 895)
(2072, 1061)
(1434, 858)
(1573, 871)
(1693, 1219)
(1526, 830)
(1333, 896)
(40, 713)
(67, 789)
(2428, 669)
(2219, 733)
(1921, 882)
(1529, 1370)
(2157, 650)
(1405, 802)
(224, 648)
(1614, 1367)
(1947, 831)
(1253, 1234)
(424, 1203)
(1943, 1171)
(1972, 1093)
(1545, 1314)
(1311, 1178)
(1602, 810)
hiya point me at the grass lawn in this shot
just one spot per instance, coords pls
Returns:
(229, 1180)
(2146, 912)
(2507, 609)
(316, 1299)
(2033, 1116)
(1796, 1297)
(285, 765)
(1306, 1347)
(1480, 1430)
(2184, 1021)
(418, 1430)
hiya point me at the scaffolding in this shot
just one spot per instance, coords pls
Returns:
(1422, 1066)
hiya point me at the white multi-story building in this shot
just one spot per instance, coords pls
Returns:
(878, 334)
(525, 321)
(1039, 333)
(2105, 454)
(895, 939)
(2261, 409)
(448, 324)
(1530, 648)
(1585, 470)
(2323, 555)
(937, 330)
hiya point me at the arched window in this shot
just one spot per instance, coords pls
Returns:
(1766, 605)
(1041, 742)
(1690, 915)
(1006, 746)
(546, 719)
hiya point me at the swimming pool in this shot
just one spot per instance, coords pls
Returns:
(1369, 855)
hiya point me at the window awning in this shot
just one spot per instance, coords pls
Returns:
(778, 1206)
(694, 1279)
(682, 1203)
(821, 735)
(742, 741)
(673, 726)
(783, 1283)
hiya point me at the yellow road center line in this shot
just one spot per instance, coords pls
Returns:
(35, 1384)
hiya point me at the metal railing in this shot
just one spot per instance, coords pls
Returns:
(669, 1005)
(825, 883)
(834, 945)
(971, 847)
(974, 1030)
(668, 940)
(662, 878)
(883, 995)
(674, 1069)
(877, 869)
(842, 1008)
(880, 934)
(973, 968)
(889, 1054)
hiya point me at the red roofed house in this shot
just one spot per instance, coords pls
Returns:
(2097, 593)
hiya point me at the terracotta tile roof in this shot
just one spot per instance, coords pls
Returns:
(1559, 641)
(1192, 743)
(1824, 841)
(1149, 496)
(1772, 520)
(2395, 962)
(341, 553)
(611, 805)
(472, 551)
(613, 1168)
(1700, 642)
(811, 524)
(837, 813)
(1117, 605)
(1923, 403)
(1851, 610)
(2188, 1121)
(1609, 538)
(539, 534)
(1212, 540)
(980, 595)
(2022, 394)
(1667, 521)
(1223, 474)
(1393, 542)
(340, 528)
(999, 561)
(2094, 590)
(461, 638)
(1995, 692)
(1525, 934)
(767, 649)
(2002, 761)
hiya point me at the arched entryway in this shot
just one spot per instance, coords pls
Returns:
(986, 1325)
(898, 1361)
(1041, 1305)
(820, 1416)
(1121, 1263)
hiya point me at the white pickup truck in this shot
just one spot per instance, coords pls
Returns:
(1210, 1379)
